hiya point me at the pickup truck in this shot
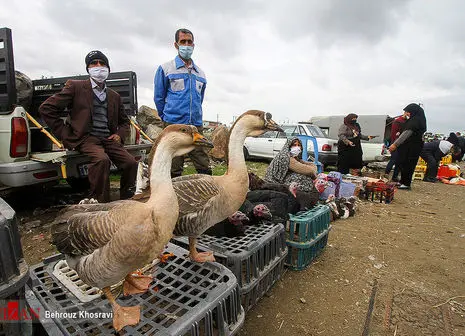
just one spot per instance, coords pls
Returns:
(27, 156)
(269, 144)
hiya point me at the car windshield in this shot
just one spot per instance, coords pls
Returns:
(316, 131)
(289, 131)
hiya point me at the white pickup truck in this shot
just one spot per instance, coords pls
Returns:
(27, 156)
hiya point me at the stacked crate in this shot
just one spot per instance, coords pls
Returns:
(186, 298)
(307, 236)
(380, 191)
(256, 259)
(13, 276)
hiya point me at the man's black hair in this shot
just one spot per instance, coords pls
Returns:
(182, 30)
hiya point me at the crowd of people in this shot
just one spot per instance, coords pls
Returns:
(406, 147)
(97, 126)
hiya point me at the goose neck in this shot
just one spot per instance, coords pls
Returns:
(236, 159)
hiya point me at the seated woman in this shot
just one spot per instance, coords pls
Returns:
(288, 167)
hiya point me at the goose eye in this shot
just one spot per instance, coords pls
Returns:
(183, 130)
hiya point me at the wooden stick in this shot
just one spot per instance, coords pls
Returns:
(43, 130)
(140, 130)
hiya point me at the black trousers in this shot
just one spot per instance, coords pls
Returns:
(408, 159)
(198, 156)
(431, 164)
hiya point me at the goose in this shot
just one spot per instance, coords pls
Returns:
(205, 200)
(104, 243)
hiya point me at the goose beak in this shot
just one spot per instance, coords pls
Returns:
(271, 125)
(200, 140)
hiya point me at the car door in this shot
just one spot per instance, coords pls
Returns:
(290, 131)
(261, 146)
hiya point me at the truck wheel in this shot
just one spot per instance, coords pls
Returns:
(78, 183)
(246, 154)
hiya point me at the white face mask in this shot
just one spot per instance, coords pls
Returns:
(99, 74)
(295, 150)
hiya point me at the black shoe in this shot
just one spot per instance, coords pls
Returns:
(430, 179)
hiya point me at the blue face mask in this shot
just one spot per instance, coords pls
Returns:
(185, 51)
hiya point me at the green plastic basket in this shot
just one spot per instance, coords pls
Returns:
(307, 236)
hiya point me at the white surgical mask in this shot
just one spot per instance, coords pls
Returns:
(185, 51)
(295, 150)
(99, 74)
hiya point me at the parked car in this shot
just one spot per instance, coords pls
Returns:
(269, 144)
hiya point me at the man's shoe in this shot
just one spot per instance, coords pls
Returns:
(403, 187)
(430, 179)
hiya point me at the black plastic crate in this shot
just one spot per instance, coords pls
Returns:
(249, 256)
(13, 273)
(192, 299)
(269, 277)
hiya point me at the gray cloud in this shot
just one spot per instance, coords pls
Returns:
(295, 59)
(337, 21)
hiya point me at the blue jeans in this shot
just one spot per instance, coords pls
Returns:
(391, 163)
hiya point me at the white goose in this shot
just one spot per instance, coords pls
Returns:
(104, 243)
(205, 200)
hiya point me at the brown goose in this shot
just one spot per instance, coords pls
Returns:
(205, 200)
(104, 243)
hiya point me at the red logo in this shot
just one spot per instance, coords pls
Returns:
(12, 312)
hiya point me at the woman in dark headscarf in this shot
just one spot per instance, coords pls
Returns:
(410, 143)
(349, 148)
(288, 167)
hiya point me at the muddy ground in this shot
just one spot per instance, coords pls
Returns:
(393, 269)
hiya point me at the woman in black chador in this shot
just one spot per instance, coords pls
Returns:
(410, 143)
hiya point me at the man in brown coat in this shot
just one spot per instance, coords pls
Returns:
(96, 126)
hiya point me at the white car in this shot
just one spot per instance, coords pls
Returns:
(269, 144)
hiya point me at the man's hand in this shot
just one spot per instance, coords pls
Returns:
(392, 148)
(115, 137)
(351, 144)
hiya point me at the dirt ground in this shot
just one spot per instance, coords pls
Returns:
(393, 269)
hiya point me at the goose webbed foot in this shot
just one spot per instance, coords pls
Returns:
(136, 283)
(122, 316)
(196, 256)
(202, 257)
(165, 257)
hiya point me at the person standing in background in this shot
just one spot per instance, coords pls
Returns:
(410, 143)
(349, 148)
(179, 90)
(396, 130)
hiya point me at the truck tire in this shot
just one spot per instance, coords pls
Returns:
(78, 183)
(246, 154)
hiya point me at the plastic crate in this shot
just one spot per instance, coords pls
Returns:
(446, 159)
(446, 171)
(306, 226)
(192, 299)
(418, 176)
(421, 162)
(249, 256)
(272, 274)
(13, 274)
(301, 255)
(420, 168)
(380, 191)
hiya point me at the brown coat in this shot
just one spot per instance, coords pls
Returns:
(77, 96)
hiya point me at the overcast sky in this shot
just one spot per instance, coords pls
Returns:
(293, 58)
